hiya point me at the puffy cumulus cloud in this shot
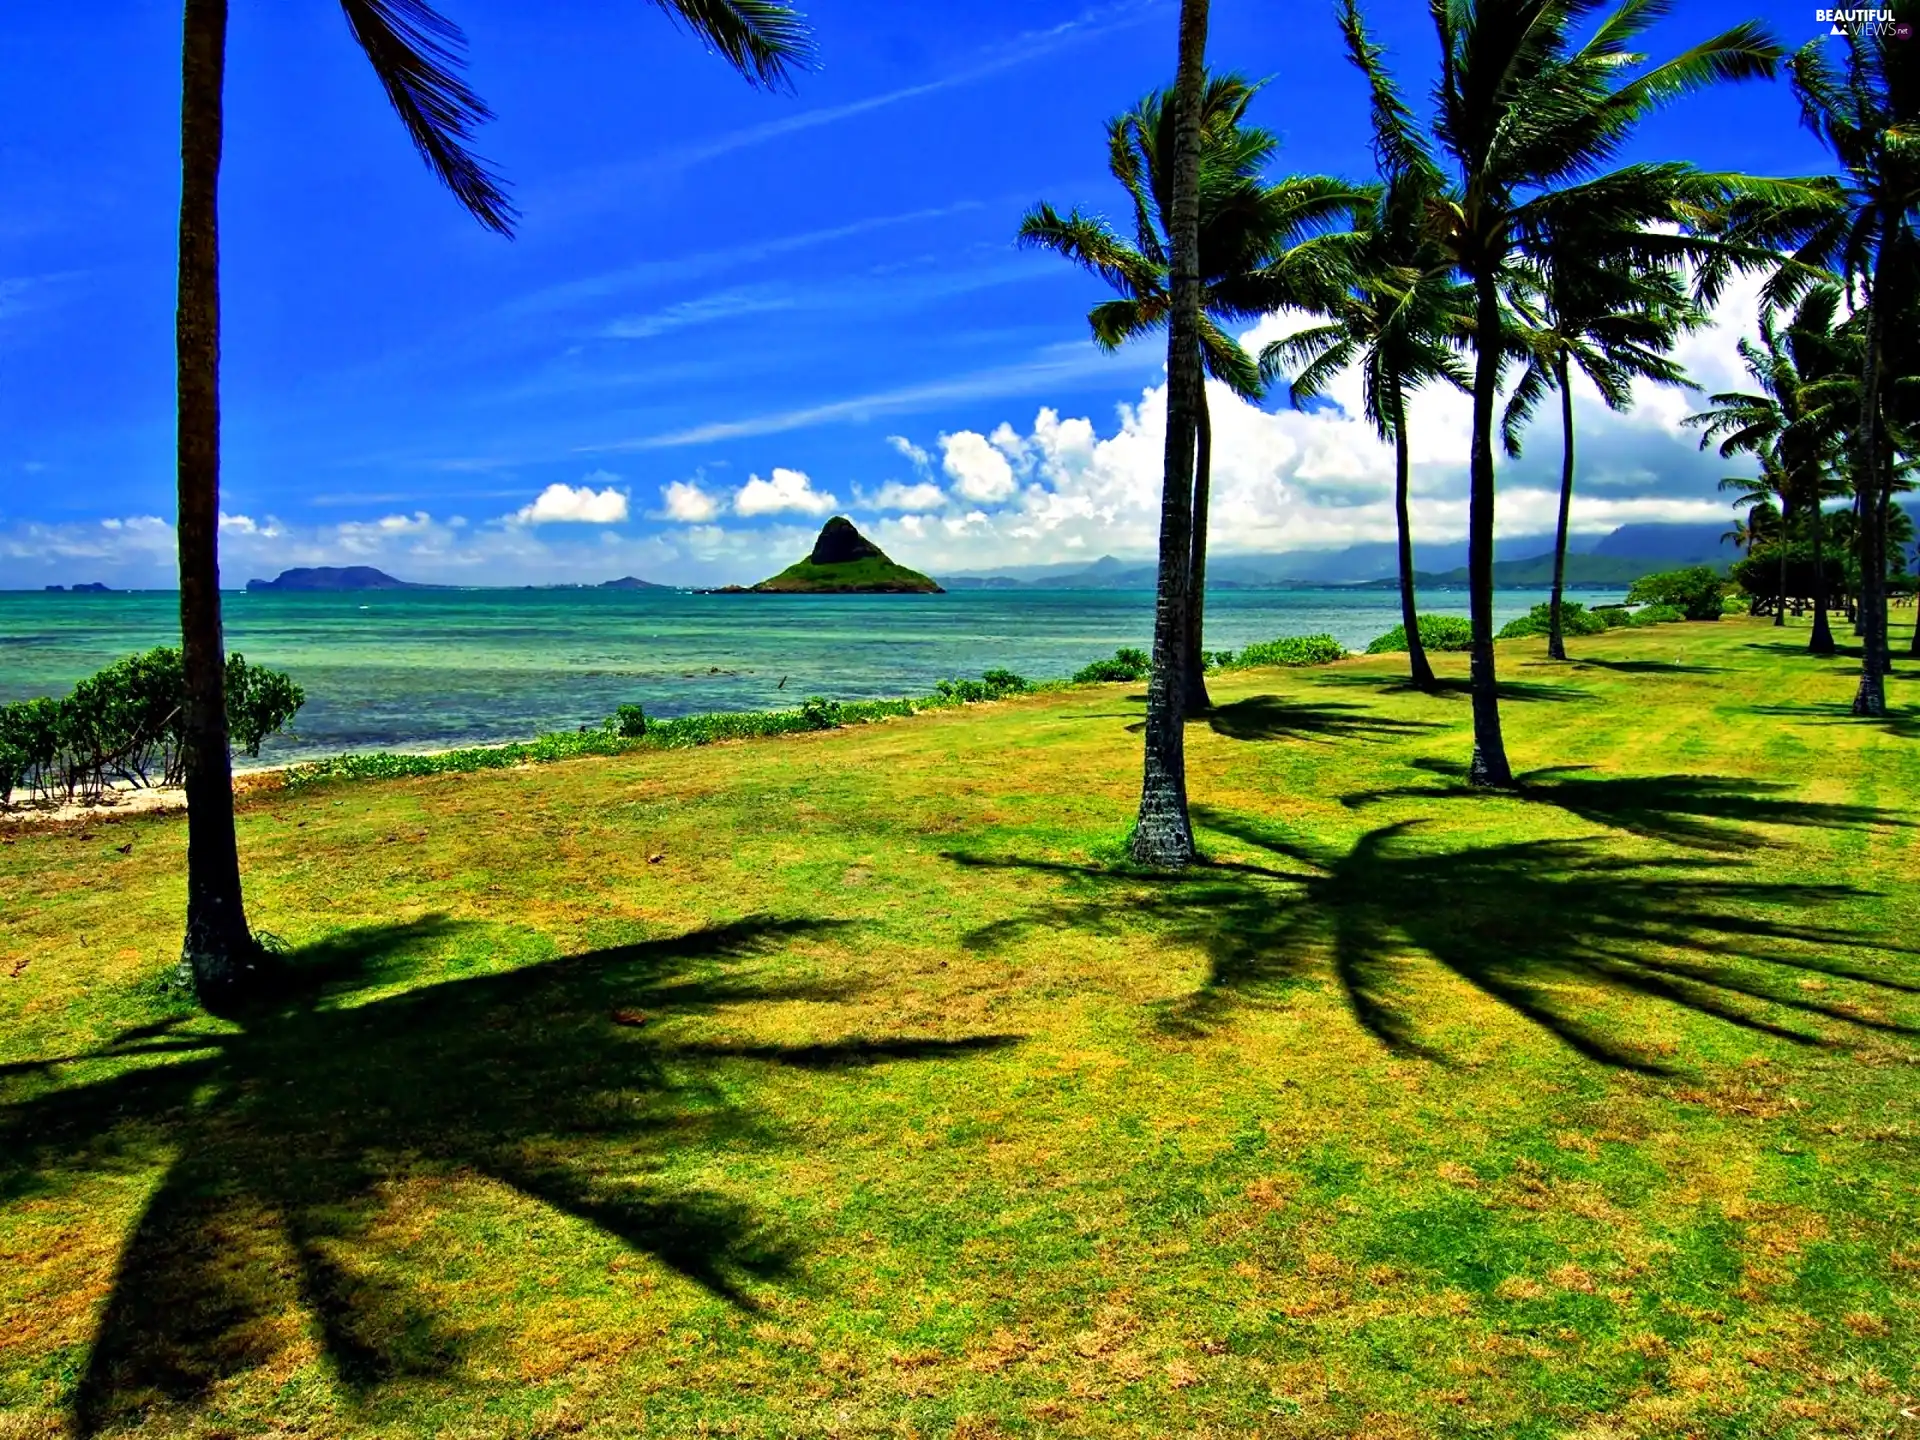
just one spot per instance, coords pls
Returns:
(247, 525)
(688, 503)
(786, 491)
(895, 496)
(580, 504)
(979, 471)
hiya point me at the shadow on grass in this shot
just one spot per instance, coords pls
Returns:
(1706, 812)
(288, 1139)
(1451, 687)
(1901, 721)
(1272, 717)
(1549, 929)
(1644, 667)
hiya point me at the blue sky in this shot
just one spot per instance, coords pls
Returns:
(723, 306)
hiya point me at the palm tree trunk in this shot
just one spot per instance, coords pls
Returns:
(1163, 834)
(219, 955)
(1419, 668)
(1198, 702)
(1556, 640)
(1780, 606)
(1489, 766)
(1821, 641)
(1871, 697)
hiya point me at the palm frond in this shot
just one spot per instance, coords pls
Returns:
(418, 54)
(765, 40)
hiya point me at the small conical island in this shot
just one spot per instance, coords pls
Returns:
(845, 562)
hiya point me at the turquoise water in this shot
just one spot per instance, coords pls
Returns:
(426, 669)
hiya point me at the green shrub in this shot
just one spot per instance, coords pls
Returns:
(629, 722)
(991, 686)
(1292, 650)
(1658, 615)
(820, 713)
(1696, 592)
(1437, 632)
(1126, 664)
(1005, 682)
(1613, 616)
(1575, 619)
(128, 721)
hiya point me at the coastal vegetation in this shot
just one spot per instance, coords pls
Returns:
(855, 1080)
(845, 562)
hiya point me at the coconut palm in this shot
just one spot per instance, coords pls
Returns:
(1163, 831)
(1526, 122)
(1793, 421)
(418, 55)
(1259, 250)
(1767, 498)
(1400, 322)
(1614, 321)
(1867, 112)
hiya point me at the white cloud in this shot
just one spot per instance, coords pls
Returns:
(787, 490)
(917, 457)
(247, 525)
(978, 470)
(686, 502)
(577, 505)
(895, 496)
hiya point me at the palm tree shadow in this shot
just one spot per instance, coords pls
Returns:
(1452, 687)
(1703, 812)
(287, 1138)
(1547, 928)
(1272, 717)
(1647, 667)
(1902, 722)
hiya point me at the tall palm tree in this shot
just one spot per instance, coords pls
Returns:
(417, 54)
(1163, 831)
(1400, 322)
(1526, 117)
(1792, 422)
(1614, 321)
(1258, 244)
(1767, 498)
(1867, 112)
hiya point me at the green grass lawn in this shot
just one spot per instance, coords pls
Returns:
(847, 1084)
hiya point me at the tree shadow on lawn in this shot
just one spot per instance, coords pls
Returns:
(1902, 722)
(289, 1138)
(1643, 667)
(1544, 927)
(1273, 717)
(1704, 812)
(1450, 687)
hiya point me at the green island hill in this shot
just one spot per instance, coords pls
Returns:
(843, 562)
(850, 1083)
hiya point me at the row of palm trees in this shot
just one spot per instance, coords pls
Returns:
(1501, 238)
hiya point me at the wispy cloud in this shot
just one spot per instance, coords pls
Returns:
(1027, 378)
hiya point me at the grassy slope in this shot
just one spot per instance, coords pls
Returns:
(868, 574)
(828, 1085)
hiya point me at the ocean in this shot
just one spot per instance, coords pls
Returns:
(426, 669)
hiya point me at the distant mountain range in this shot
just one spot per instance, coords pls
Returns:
(1610, 561)
(338, 579)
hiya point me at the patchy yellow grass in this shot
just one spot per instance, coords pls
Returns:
(845, 1084)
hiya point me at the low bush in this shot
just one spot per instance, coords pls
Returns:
(993, 685)
(1613, 616)
(1658, 615)
(1126, 664)
(1697, 591)
(1437, 632)
(820, 713)
(1291, 650)
(126, 723)
(629, 722)
(1575, 619)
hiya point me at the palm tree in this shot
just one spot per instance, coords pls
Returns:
(1400, 322)
(1868, 115)
(1163, 832)
(1766, 520)
(1612, 319)
(1257, 251)
(417, 54)
(1525, 120)
(1793, 422)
